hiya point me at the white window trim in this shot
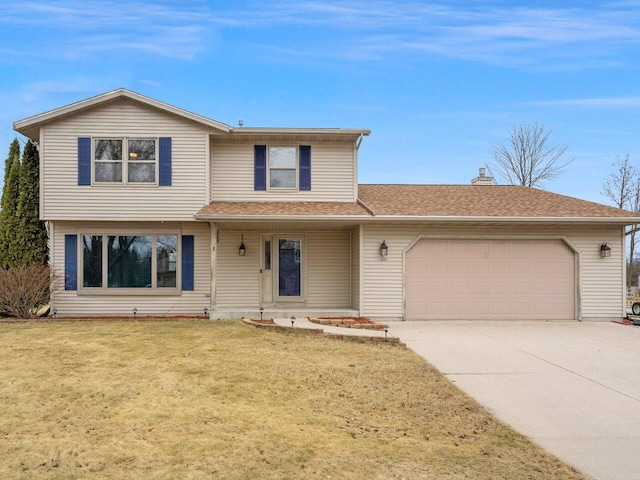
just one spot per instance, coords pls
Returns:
(105, 290)
(125, 161)
(297, 169)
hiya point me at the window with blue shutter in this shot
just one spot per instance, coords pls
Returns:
(260, 167)
(70, 262)
(84, 161)
(187, 262)
(305, 167)
(164, 174)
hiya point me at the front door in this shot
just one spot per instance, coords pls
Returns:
(289, 268)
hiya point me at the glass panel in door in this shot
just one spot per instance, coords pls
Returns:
(289, 269)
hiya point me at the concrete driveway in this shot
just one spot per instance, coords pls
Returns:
(574, 388)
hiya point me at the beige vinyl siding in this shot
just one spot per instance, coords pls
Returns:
(238, 278)
(329, 269)
(599, 280)
(73, 304)
(332, 174)
(355, 268)
(327, 255)
(603, 288)
(63, 199)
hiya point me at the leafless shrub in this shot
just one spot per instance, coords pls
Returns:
(24, 289)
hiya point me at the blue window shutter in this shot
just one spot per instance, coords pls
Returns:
(70, 262)
(305, 167)
(164, 164)
(260, 167)
(84, 161)
(187, 262)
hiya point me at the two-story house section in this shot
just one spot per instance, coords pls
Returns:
(159, 211)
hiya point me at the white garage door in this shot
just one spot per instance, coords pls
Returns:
(490, 279)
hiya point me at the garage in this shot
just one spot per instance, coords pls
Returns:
(490, 279)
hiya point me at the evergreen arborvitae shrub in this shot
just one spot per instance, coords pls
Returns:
(32, 233)
(9, 251)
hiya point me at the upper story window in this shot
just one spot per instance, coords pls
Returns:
(133, 159)
(283, 169)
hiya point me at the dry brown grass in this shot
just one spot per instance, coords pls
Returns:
(189, 400)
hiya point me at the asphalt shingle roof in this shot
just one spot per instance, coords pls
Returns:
(432, 201)
(283, 208)
(479, 201)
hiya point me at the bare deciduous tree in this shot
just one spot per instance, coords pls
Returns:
(529, 158)
(622, 187)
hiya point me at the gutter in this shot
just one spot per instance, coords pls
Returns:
(295, 130)
(500, 219)
(296, 218)
(419, 219)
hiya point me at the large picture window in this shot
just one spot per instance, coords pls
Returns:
(133, 159)
(129, 261)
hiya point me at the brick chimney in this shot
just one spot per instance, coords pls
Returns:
(481, 179)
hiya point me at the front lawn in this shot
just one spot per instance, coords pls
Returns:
(198, 399)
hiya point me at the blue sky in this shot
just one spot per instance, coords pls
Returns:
(436, 82)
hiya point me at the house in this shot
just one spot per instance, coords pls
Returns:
(156, 210)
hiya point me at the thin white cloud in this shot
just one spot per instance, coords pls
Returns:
(613, 102)
(567, 37)
(75, 28)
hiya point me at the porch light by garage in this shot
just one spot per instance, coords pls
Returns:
(605, 250)
(384, 250)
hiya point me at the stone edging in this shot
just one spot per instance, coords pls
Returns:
(391, 341)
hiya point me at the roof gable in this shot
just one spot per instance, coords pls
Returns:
(30, 126)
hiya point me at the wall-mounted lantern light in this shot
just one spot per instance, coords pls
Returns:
(384, 250)
(605, 250)
(242, 251)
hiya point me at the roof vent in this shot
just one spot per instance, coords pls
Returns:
(481, 179)
(240, 123)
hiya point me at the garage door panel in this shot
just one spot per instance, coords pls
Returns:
(499, 288)
(490, 279)
(542, 267)
(479, 288)
(479, 266)
(501, 309)
(519, 288)
(498, 266)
